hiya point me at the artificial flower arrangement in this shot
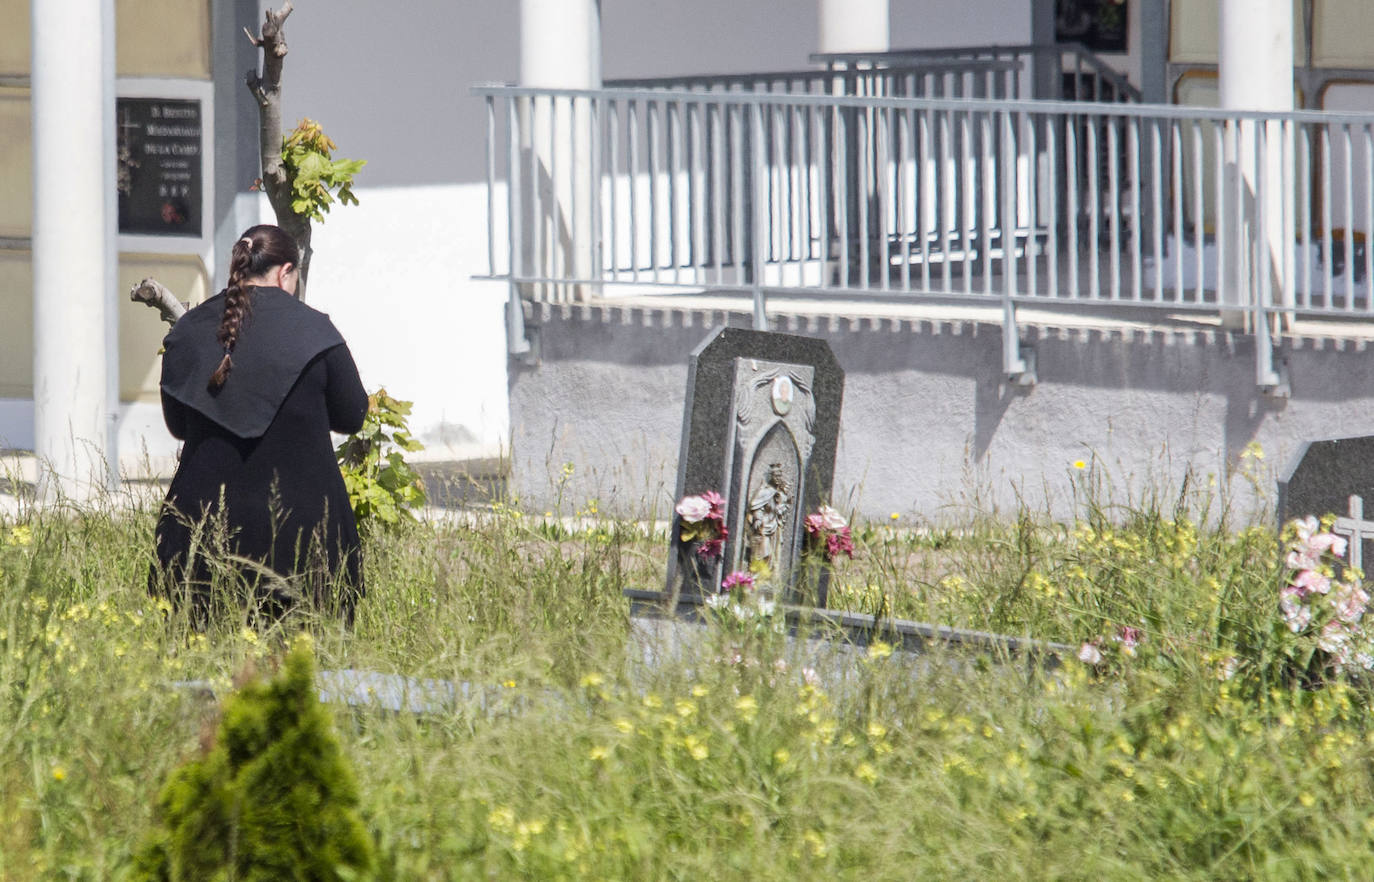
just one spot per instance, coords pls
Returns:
(828, 533)
(1318, 606)
(1320, 621)
(703, 522)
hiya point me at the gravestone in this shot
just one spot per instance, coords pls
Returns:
(1334, 476)
(760, 427)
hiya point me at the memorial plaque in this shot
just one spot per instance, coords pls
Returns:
(161, 166)
(761, 426)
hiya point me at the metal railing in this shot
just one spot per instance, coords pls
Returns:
(1257, 216)
(1056, 72)
(916, 78)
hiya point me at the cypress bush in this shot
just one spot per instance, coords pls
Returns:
(272, 799)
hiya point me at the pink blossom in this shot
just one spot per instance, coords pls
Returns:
(694, 509)
(717, 503)
(1311, 582)
(1306, 527)
(1349, 602)
(839, 543)
(815, 524)
(1089, 654)
(1302, 559)
(711, 548)
(1129, 636)
(738, 579)
(1327, 542)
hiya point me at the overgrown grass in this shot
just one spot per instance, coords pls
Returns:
(574, 760)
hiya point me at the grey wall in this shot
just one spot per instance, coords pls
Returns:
(929, 427)
(389, 81)
(924, 24)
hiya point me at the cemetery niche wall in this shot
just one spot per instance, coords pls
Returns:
(759, 436)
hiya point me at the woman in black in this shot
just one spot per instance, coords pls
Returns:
(253, 381)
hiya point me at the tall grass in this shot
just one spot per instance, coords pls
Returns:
(573, 760)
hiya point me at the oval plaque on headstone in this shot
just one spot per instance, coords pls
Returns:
(783, 392)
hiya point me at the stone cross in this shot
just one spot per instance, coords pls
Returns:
(1357, 529)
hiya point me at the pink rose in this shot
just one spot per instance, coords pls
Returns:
(694, 509)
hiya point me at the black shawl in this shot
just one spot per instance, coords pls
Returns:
(278, 338)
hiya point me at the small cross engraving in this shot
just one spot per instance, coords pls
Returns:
(1356, 529)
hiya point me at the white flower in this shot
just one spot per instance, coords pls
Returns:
(810, 677)
(1296, 614)
(766, 607)
(693, 509)
(1349, 601)
(1335, 638)
(716, 601)
(1090, 654)
(831, 519)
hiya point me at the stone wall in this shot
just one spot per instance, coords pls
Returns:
(930, 429)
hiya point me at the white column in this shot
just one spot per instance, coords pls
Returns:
(1256, 73)
(854, 26)
(560, 48)
(75, 366)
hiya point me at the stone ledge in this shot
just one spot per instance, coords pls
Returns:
(861, 629)
(974, 319)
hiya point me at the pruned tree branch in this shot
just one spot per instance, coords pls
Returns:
(266, 90)
(155, 294)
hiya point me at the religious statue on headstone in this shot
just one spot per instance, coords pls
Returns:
(769, 507)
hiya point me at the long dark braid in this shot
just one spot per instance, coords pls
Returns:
(259, 249)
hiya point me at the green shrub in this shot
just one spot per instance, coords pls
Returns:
(272, 799)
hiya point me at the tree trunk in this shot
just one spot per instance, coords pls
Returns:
(266, 89)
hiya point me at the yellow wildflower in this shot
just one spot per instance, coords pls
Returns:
(878, 649)
(599, 753)
(866, 773)
(59, 773)
(592, 679)
(747, 706)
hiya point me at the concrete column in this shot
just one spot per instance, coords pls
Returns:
(854, 26)
(75, 354)
(1256, 73)
(560, 48)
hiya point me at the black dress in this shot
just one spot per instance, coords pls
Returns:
(257, 477)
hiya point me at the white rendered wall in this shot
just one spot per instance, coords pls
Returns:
(395, 275)
(853, 26)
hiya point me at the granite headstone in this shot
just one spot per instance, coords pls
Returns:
(760, 428)
(1334, 476)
